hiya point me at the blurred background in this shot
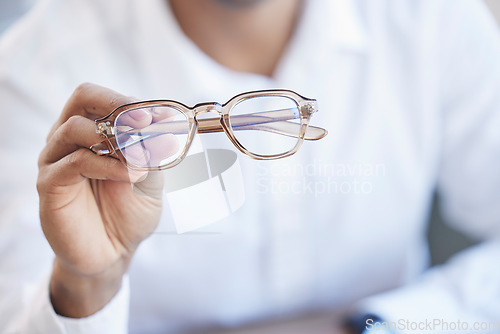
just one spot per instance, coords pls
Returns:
(495, 7)
(443, 241)
(11, 10)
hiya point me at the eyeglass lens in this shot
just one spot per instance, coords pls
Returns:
(263, 126)
(152, 136)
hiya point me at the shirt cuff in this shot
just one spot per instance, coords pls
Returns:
(113, 318)
(42, 318)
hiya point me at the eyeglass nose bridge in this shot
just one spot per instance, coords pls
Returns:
(211, 124)
(203, 108)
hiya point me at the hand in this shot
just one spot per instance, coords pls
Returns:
(92, 217)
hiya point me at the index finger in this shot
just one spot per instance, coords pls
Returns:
(91, 101)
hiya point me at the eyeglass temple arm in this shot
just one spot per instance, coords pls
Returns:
(262, 123)
(286, 129)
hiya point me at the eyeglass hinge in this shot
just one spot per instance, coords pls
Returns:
(308, 108)
(105, 128)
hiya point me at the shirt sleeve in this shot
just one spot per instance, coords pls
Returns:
(40, 317)
(467, 288)
(463, 294)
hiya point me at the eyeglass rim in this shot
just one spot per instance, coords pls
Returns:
(225, 109)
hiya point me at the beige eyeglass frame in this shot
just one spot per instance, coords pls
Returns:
(265, 121)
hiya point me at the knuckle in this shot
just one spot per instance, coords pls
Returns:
(76, 159)
(59, 140)
(77, 100)
(65, 131)
(82, 89)
(72, 124)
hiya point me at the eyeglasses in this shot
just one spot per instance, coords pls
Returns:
(156, 135)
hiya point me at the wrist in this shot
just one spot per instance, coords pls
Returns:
(75, 295)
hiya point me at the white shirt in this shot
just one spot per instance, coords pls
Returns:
(409, 92)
